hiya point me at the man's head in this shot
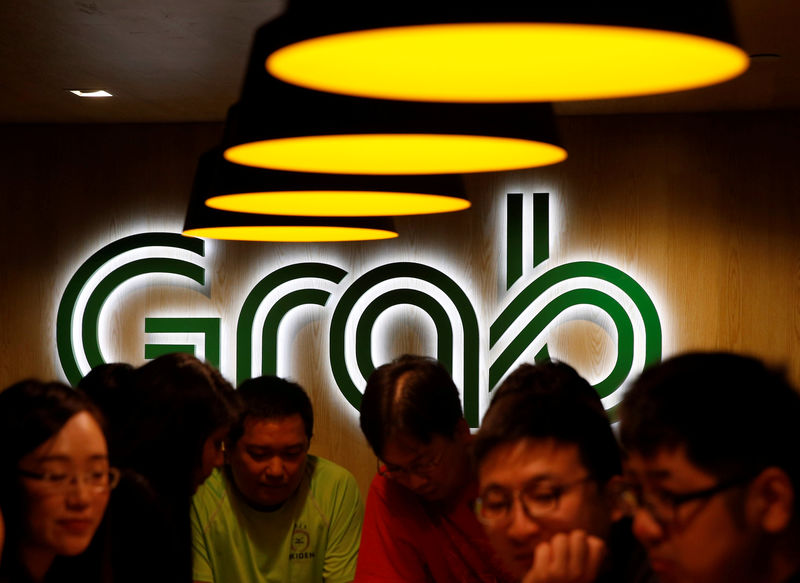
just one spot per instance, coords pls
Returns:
(267, 447)
(546, 456)
(712, 442)
(411, 416)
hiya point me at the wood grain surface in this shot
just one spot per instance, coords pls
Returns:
(702, 210)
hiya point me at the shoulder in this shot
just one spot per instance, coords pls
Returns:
(210, 498)
(332, 485)
(386, 497)
(386, 490)
(333, 491)
(326, 472)
(213, 488)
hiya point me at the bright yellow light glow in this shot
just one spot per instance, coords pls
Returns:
(338, 203)
(506, 62)
(395, 154)
(291, 234)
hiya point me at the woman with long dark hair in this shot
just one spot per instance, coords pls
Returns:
(168, 419)
(55, 481)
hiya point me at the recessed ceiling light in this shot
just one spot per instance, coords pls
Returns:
(90, 92)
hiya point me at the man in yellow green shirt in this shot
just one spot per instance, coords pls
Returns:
(273, 512)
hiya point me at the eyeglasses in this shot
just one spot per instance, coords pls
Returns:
(98, 481)
(664, 506)
(538, 499)
(421, 468)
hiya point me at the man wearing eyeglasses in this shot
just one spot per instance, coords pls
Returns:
(714, 470)
(420, 526)
(548, 468)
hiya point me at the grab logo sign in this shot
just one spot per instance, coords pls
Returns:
(352, 305)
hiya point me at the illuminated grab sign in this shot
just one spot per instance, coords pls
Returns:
(590, 290)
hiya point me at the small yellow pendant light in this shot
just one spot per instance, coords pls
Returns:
(240, 227)
(233, 187)
(204, 221)
(502, 51)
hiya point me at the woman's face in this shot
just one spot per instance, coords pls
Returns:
(66, 488)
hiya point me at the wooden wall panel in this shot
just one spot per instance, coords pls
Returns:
(703, 210)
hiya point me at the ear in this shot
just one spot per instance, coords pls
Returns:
(771, 499)
(612, 500)
(226, 449)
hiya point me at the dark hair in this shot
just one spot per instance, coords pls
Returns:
(31, 412)
(166, 412)
(271, 397)
(549, 378)
(104, 378)
(108, 385)
(733, 415)
(412, 394)
(551, 401)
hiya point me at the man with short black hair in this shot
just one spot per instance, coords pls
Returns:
(548, 468)
(714, 469)
(276, 513)
(420, 526)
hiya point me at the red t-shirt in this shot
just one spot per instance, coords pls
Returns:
(408, 540)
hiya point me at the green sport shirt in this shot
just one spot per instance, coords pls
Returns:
(313, 537)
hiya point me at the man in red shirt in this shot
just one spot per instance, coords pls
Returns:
(420, 525)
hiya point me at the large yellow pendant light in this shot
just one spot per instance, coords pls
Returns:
(282, 127)
(502, 50)
(204, 221)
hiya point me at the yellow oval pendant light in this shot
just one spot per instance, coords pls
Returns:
(337, 203)
(396, 153)
(232, 187)
(502, 51)
(282, 127)
(287, 231)
(204, 221)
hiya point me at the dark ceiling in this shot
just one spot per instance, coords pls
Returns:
(183, 61)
